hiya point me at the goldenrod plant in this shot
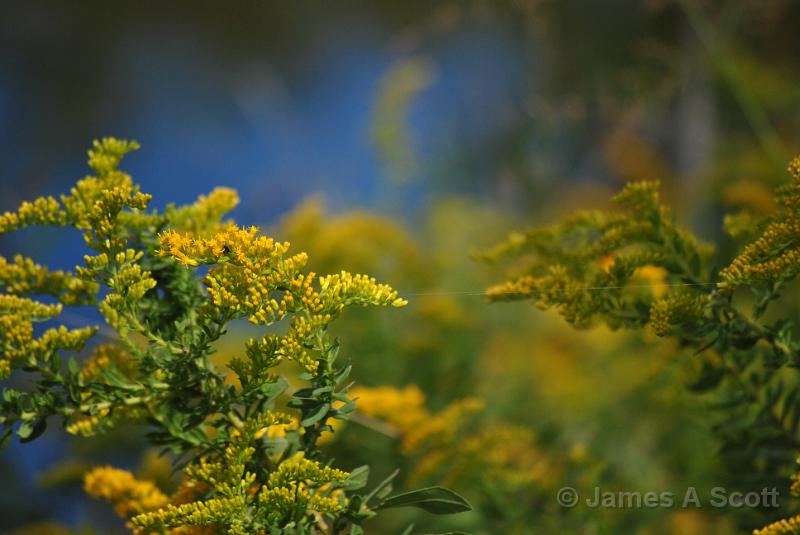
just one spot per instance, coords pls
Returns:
(169, 283)
(636, 268)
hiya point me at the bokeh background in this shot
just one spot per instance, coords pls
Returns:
(397, 138)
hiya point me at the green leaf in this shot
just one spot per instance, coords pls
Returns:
(333, 351)
(436, 500)
(318, 415)
(30, 430)
(73, 367)
(321, 390)
(25, 429)
(117, 379)
(270, 391)
(357, 479)
(342, 375)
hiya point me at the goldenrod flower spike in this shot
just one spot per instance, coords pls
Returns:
(254, 278)
(789, 526)
(127, 494)
(23, 276)
(205, 215)
(593, 265)
(775, 255)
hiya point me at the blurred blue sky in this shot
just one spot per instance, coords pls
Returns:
(205, 118)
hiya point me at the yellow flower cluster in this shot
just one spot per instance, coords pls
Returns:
(204, 513)
(297, 484)
(94, 202)
(654, 278)
(576, 300)
(93, 205)
(401, 407)
(611, 265)
(42, 211)
(17, 315)
(507, 454)
(677, 309)
(767, 258)
(17, 341)
(89, 425)
(441, 427)
(131, 281)
(297, 495)
(496, 452)
(33, 310)
(61, 338)
(294, 345)
(124, 276)
(25, 277)
(263, 269)
(249, 270)
(103, 357)
(345, 289)
(205, 215)
(100, 220)
(106, 153)
(233, 245)
(405, 410)
(775, 255)
(547, 289)
(300, 469)
(131, 496)
(788, 526)
(127, 494)
(254, 278)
